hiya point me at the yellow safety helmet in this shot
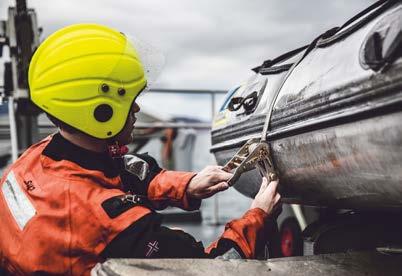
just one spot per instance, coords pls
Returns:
(87, 76)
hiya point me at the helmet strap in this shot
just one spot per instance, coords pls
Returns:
(116, 150)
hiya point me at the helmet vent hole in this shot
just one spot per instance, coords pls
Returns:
(103, 113)
(105, 87)
(121, 91)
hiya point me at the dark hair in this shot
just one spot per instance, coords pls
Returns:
(62, 125)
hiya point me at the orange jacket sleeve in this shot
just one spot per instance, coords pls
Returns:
(168, 188)
(247, 233)
(243, 238)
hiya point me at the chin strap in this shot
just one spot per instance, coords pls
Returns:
(115, 150)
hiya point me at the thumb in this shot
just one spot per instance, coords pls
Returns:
(272, 187)
(277, 198)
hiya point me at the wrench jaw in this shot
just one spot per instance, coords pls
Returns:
(246, 165)
(237, 164)
(265, 165)
(253, 154)
(266, 170)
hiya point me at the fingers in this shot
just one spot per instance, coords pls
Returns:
(217, 188)
(218, 175)
(264, 185)
(267, 198)
(213, 168)
(277, 198)
(224, 176)
(209, 181)
(271, 189)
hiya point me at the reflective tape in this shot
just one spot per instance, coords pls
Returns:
(18, 202)
(231, 254)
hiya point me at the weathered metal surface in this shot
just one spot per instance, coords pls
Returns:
(335, 131)
(355, 165)
(357, 263)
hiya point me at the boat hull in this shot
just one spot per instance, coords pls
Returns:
(336, 126)
(354, 165)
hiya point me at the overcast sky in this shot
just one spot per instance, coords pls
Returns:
(208, 44)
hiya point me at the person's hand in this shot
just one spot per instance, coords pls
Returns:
(267, 197)
(208, 182)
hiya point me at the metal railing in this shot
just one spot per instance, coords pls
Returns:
(211, 93)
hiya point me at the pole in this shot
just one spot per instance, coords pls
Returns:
(13, 129)
(216, 197)
(23, 39)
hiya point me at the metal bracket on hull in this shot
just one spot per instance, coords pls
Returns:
(253, 154)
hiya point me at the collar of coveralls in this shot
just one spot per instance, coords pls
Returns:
(60, 148)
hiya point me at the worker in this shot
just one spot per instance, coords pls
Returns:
(76, 198)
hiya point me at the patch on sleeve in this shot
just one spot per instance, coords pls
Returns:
(137, 166)
(17, 201)
(117, 205)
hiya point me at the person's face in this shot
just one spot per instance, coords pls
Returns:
(126, 136)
